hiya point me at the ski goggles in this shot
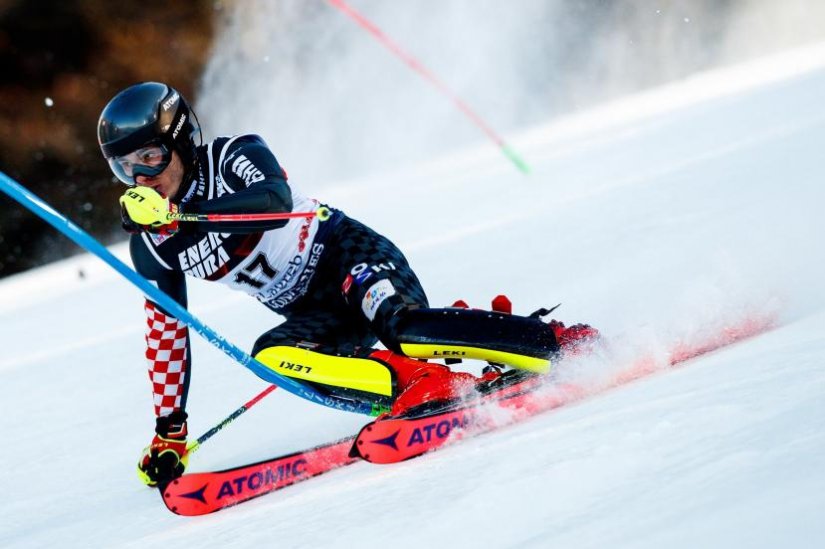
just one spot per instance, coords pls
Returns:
(149, 160)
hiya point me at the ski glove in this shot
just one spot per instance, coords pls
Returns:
(143, 208)
(165, 458)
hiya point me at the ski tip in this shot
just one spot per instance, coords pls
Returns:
(353, 451)
(358, 442)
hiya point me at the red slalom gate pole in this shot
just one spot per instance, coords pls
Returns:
(418, 67)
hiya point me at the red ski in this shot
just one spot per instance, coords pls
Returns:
(389, 440)
(201, 493)
(395, 439)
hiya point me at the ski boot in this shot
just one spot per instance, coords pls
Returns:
(424, 386)
(575, 339)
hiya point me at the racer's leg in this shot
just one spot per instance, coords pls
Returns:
(365, 290)
(382, 289)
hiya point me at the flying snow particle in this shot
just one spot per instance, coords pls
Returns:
(49, 102)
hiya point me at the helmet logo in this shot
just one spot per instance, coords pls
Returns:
(179, 126)
(171, 101)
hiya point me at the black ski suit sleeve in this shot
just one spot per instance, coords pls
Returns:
(172, 283)
(256, 184)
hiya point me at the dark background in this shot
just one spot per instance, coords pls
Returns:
(79, 54)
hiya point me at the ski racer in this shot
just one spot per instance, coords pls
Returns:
(341, 286)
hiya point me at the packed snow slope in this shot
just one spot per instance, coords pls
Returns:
(660, 219)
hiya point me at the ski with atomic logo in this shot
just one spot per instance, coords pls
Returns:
(201, 493)
(394, 439)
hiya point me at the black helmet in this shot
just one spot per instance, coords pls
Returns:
(147, 114)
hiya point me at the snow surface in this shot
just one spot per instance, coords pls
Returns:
(658, 218)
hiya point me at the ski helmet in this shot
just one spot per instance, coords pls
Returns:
(151, 118)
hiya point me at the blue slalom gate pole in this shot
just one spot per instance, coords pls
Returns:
(60, 222)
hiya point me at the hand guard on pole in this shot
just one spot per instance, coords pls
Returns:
(144, 209)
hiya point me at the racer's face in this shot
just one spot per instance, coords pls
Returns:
(167, 182)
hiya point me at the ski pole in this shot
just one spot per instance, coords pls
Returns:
(193, 447)
(322, 214)
(60, 222)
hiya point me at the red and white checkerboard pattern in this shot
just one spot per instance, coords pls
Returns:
(166, 339)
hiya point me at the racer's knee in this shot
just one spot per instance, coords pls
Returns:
(390, 323)
(383, 300)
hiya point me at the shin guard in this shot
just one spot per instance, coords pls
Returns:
(454, 333)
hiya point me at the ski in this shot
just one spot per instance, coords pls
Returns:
(394, 439)
(202, 493)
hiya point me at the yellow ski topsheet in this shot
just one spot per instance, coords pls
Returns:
(360, 374)
(522, 362)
